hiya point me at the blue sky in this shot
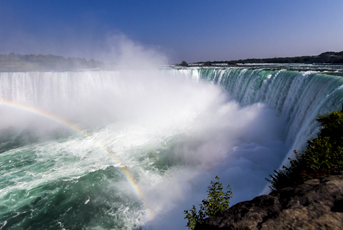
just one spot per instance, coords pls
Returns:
(193, 30)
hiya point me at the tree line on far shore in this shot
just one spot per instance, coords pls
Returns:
(326, 57)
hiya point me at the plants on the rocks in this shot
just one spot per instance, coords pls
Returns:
(323, 155)
(216, 201)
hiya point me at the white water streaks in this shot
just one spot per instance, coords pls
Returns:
(297, 96)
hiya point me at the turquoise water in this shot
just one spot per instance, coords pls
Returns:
(171, 130)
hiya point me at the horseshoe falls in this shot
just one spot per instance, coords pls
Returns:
(133, 149)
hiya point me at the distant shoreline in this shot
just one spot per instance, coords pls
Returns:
(323, 58)
(46, 63)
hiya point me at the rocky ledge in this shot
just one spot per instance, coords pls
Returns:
(316, 204)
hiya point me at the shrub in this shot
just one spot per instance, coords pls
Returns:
(216, 201)
(323, 155)
(184, 63)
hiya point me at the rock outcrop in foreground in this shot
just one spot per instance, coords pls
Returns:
(316, 204)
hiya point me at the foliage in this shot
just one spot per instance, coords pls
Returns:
(216, 201)
(323, 155)
(327, 57)
(207, 63)
(231, 63)
(184, 63)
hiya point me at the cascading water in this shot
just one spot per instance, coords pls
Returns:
(298, 96)
(133, 149)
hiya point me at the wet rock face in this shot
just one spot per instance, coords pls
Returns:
(316, 204)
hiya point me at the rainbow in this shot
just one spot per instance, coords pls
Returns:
(75, 128)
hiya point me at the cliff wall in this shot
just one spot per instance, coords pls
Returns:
(316, 204)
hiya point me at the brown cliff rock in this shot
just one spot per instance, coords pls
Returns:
(316, 204)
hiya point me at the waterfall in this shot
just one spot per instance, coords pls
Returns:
(133, 149)
(298, 96)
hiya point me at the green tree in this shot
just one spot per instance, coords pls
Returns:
(216, 201)
(184, 63)
(323, 155)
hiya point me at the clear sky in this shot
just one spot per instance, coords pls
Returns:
(191, 30)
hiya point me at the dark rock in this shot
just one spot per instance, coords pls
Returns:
(316, 204)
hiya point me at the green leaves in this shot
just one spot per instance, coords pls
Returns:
(323, 155)
(216, 201)
(192, 217)
(183, 63)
